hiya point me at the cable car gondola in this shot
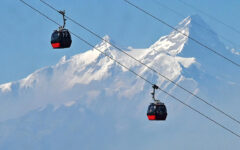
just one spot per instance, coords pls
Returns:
(156, 110)
(61, 38)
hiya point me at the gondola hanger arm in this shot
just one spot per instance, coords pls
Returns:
(62, 12)
(153, 93)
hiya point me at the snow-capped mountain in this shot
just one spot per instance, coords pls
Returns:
(89, 95)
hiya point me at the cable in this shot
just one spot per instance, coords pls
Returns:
(139, 61)
(196, 41)
(180, 14)
(85, 41)
(40, 12)
(219, 124)
(210, 16)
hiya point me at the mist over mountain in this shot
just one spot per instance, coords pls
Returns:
(89, 101)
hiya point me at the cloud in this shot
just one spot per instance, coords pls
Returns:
(234, 51)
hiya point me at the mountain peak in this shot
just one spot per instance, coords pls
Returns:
(174, 42)
(106, 38)
(193, 26)
(105, 44)
(185, 22)
(197, 25)
(193, 22)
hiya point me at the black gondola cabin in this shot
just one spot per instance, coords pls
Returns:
(61, 39)
(157, 111)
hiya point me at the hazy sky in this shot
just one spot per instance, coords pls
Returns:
(25, 35)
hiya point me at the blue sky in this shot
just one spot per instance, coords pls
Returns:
(25, 40)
